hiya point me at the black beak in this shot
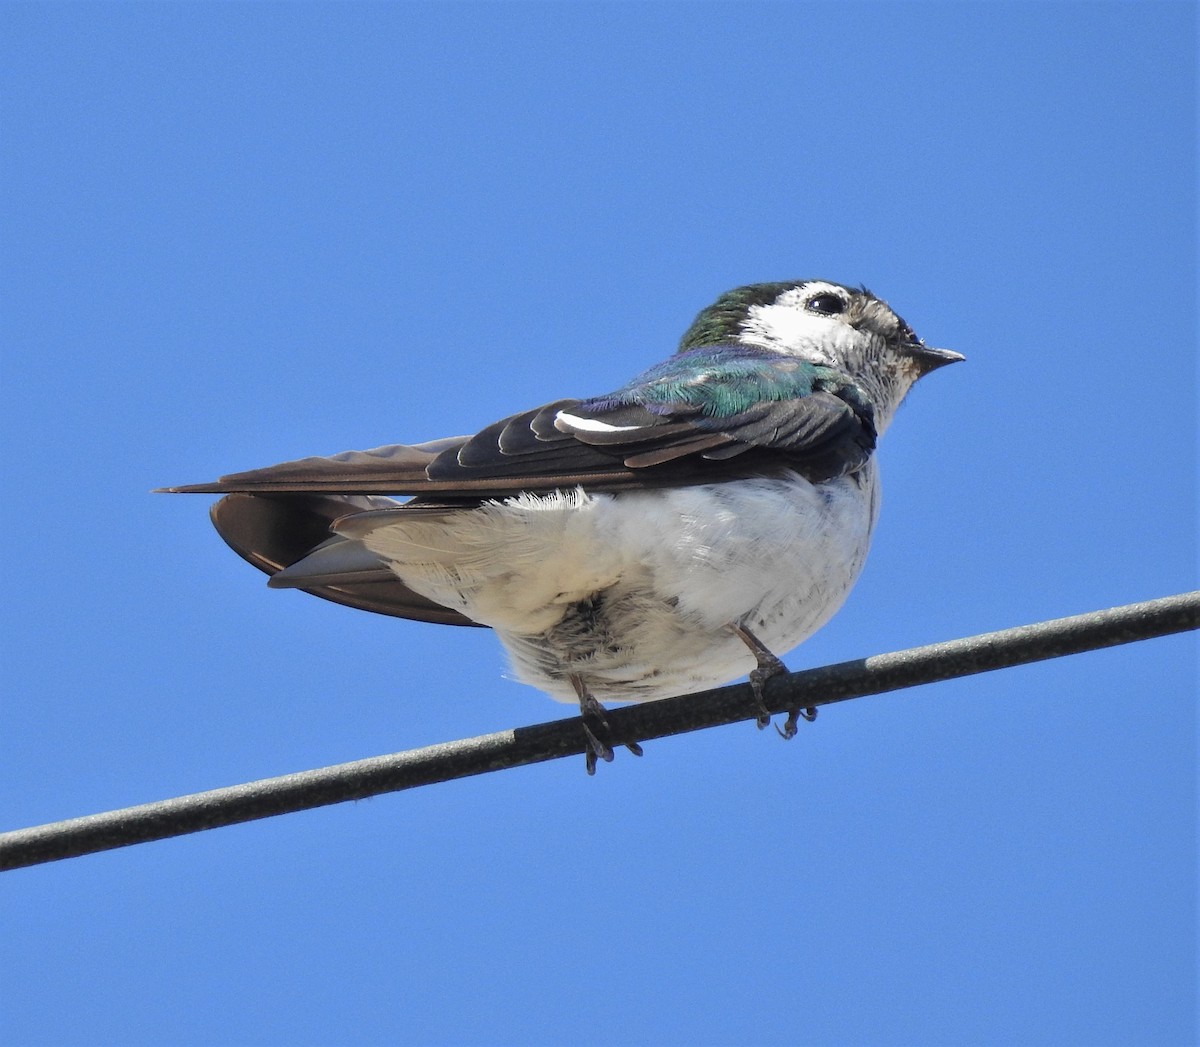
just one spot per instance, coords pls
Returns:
(929, 359)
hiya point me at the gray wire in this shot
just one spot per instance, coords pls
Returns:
(549, 741)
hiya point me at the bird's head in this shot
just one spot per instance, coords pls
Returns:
(844, 328)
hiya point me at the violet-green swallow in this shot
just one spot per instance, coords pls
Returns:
(661, 539)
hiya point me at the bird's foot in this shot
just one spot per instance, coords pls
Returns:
(596, 729)
(768, 666)
(788, 731)
(758, 681)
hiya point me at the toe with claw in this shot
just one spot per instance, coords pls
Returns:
(788, 731)
(596, 729)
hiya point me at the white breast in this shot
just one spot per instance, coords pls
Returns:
(635, 591)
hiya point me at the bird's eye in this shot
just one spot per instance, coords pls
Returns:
(827, 304)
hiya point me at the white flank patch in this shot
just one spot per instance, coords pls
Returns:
(592, 425)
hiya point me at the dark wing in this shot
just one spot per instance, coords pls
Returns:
(706, 415)
(820, 436)
(433, 468)
(749, 407)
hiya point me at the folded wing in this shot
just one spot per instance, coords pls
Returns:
(710, 414)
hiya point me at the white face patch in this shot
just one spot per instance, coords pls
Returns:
(786, 324)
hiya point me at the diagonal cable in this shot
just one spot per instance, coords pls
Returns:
(549, 741)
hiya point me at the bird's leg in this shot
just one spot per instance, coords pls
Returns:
(595, 726)
(768, 666)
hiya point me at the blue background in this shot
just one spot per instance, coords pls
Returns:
(239, 234)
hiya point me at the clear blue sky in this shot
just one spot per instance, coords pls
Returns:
(238, 234)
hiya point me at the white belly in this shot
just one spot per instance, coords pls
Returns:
(634, 592)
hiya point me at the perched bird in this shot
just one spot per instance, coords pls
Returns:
(660, 539)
